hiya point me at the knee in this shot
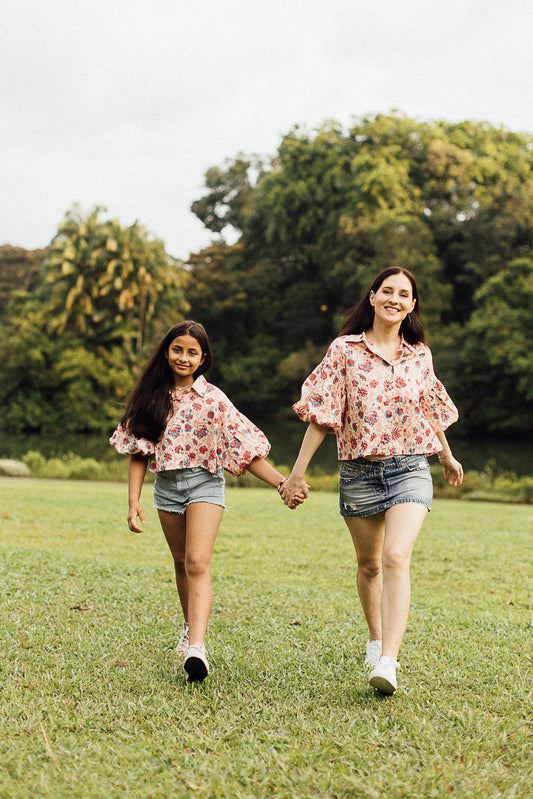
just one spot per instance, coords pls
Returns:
(197, 566)
(370, 568)
(396, 560)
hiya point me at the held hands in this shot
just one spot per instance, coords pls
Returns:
(135, 510)
(293, 491)
(453, 471)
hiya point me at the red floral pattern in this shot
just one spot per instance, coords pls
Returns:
(375, 407)
(205, 429)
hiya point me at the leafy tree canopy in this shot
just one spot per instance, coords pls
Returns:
(451, 202)
(71, 346)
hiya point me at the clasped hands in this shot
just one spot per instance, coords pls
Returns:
(293, 491)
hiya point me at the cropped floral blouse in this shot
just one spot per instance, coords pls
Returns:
(375, 407)
(205, 429)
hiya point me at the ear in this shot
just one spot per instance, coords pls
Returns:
(413, 306)
(372, 299)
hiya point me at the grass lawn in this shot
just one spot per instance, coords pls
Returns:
(94, 704)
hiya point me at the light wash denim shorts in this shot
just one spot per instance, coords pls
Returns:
(176, 488)
(368, 487)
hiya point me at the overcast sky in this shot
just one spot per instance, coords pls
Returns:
(127, 103)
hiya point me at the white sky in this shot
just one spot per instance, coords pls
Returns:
(127, 103)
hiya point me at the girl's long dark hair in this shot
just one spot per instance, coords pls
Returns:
(361, 317)
(150, 402)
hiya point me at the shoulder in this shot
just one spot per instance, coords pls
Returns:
(214, 394)
(343, 344)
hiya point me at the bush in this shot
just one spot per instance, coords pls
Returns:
(84, 469)
(35, 462)
(485, 485)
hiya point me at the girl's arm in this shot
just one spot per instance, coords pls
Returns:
(260, 468)
(453, 471)
(137, 471)
(313, 438)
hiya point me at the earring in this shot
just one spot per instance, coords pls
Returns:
(409, 317)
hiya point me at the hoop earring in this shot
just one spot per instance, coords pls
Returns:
(409, 317)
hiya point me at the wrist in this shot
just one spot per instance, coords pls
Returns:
(282, 483)
(444, 455)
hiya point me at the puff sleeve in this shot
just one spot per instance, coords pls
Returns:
(126, 444)
(435, 402)
(323, 397)
(239, 440)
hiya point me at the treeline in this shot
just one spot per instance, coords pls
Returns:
(309, 228)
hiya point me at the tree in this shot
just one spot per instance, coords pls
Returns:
(71, 346)
(108, 284)
(19, 271)
(451, 202)
(497, 355)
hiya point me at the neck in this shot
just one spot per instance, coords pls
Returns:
(384, 334)
(183, 386)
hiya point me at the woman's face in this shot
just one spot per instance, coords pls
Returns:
(393, 300)
(184, 357)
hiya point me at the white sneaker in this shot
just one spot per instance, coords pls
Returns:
(183, 643)
(383, 678)
(373, 653)
(196, 666)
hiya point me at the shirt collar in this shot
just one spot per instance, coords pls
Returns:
(200, 386)
(405, 347)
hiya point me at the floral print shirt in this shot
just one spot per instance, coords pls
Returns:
(376, 407)
(205, 429)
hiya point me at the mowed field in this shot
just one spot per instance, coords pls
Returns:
(94, 702)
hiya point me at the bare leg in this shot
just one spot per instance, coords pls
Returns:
(191, 538)
(174, 528)
(203, 520)
(367, 535)
(402, 526)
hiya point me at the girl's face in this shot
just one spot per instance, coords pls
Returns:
(184, 357)
(393, 300)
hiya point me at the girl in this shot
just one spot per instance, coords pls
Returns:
(376, 389)
(188, 430)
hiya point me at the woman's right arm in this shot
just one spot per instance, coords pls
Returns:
(313, 438)
(137, 471)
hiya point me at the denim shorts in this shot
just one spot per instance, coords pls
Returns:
(176, 488)
(368, 487)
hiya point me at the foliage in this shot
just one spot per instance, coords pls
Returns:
(94, 702)
(108, 284)
(498, 359)
(451, 202)
(486, 485)
(19, 269)
(71, 345)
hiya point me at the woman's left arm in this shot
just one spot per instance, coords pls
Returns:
(453, 471)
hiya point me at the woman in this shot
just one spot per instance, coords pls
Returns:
(376, 389)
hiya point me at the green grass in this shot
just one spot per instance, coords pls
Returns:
(93, 703)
